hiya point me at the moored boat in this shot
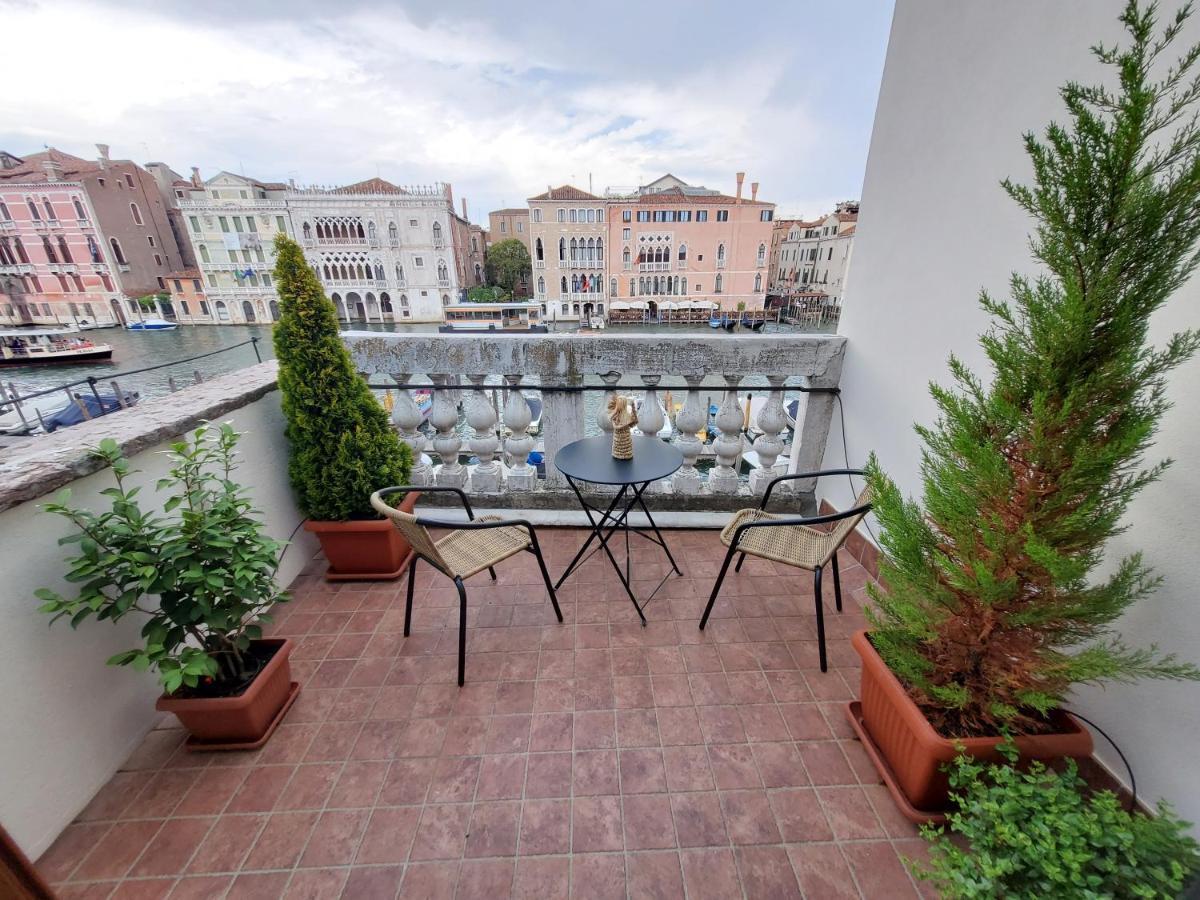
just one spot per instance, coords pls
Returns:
(54, 346)
(152, 324)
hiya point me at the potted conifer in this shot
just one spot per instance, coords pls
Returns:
(342, 445)
(988, 611)
(203, 578)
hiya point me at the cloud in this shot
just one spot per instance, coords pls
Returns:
(499, 100)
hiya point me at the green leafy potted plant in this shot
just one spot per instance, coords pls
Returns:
(204, 578)
(342, 446)
(1039, 833)
(989, 612)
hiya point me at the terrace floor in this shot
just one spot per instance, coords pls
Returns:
(595, 758)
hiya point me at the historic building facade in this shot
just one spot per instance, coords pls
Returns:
(80, 239)
(671, 242)
(813, 257)
(383, 253)
(513, 222)
(231, 221)
(568, 232)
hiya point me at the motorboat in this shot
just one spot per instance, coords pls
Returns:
(152, 324)
(27, 419)
(92, 325)
(53, 346)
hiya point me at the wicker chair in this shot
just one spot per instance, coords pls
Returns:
(471, 547)
(794, 541)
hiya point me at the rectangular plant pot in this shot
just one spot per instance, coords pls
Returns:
(915, 753)
(246, 718)
(364, 549)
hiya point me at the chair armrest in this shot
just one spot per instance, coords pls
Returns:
(473, 525)
(429, 490)
(797, 475)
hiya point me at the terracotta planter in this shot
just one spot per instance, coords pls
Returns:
(244, 721)
(364, 550)
(908, 751)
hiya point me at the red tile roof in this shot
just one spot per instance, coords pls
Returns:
(511, 211)
(676, 195)
(31, 167)
(370, 186)
(566, 192)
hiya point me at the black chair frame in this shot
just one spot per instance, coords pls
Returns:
(470, 525)
(787, 521)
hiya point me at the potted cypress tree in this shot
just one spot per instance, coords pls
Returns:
(342, 445)
(203, 578)
(989, 611)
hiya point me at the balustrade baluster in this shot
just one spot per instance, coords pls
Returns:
(444, 417)
(485, 477)
(769, 444)
(723, 479)
(521, 475)
(406, 416)
(692, 418)
(650, 419)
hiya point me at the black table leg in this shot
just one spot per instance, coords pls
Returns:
(607, 514)
(649, 518)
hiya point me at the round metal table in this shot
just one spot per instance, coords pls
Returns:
(590, 460)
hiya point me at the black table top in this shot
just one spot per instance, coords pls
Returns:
(591, 459)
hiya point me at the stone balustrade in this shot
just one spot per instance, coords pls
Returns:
(478, 386)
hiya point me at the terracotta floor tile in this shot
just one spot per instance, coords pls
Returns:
(780, 764)
(825, 763)
(430, 881)
(596, 772)
(598, 876)
(698, 820)
(115, 852)
(454, 780)
(545, 827)
(596, 824)
(200, 887)
(687, 768)
(850, 813)
(733, 766)
(212, 791)
(642, 771)
(878, 869)
(261, 789)
(548, 775)
(551, 731)
(258, 886)
(710, 874)
(821, 871)
(373, 883)
(766, 872)
(501, 777)
(637, 728)
(335, 838)
(143, 889)
(545, 877)
(654, 875)
(171, 849)
(595, 730)
(485, 879)
(388, 835)
(494, 829)
(227, 844)
(69, 849)
(648, 822)
(748, 817)
(442, 832)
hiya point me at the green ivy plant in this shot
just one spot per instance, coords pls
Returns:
(1039, 833)
(204, 578)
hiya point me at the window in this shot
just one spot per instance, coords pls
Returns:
(573, 216)
(612, 287)
(600, 214)
(758, 283)
(562, 288)
(413, 223)
(118, 252)
(626, 215)
(702, 215)
(591, 215)
(520, 227)
(204, 308)
(541, 286)
(562, 215)
(281, 225)
(224, 223)
(538, 250)
(63, 251)
(21, 254)
(625, 233)
(150, 239)
(204, 257)
(537, 215)
(6, 216)
(722, 215)
(136, 213)
(717, 288)
(503, 227)
(683, 252)
(562, 249)
(419, 262)
(48, 250)
(720, 255)
(766, 215)
(157, 260)
(93, 249)
(50, 214)
(196, 285)
(100, 181)
(33, 211)
(183, 305)
(237, 224)
(643, 215)
(162, 285)
(250, 226)
(178, 285)
(762, 253)
(129, 179)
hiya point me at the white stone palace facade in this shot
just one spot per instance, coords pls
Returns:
(384, 253)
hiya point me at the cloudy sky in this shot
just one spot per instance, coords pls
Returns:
(500, 99)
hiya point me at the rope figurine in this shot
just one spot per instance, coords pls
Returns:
(624, 417)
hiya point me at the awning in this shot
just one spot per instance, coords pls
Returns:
(618, 304)
(638, 304)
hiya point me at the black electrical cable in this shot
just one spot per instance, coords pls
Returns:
(1128, 767)
(288, 543)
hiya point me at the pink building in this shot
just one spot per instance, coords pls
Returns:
(79, 239)
(671, 242)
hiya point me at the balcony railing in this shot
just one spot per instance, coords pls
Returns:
(704, 367)
(443, 282)
(654, 266)
(539, 264)
(356, 282)
(341, 242)
(8, 225)
(580, 262)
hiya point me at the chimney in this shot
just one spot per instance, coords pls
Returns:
(197, 181)
(464, 206)
(754, 190)
(54, 169)
(103, 151)
(741, 176)
(450, 196)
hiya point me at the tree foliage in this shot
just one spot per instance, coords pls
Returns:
(990, 612)
(204, 578)
(342, 445)
(1029, 835)
(507, 262)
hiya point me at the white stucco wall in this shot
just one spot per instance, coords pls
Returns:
(962, 82)
(69, 720)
